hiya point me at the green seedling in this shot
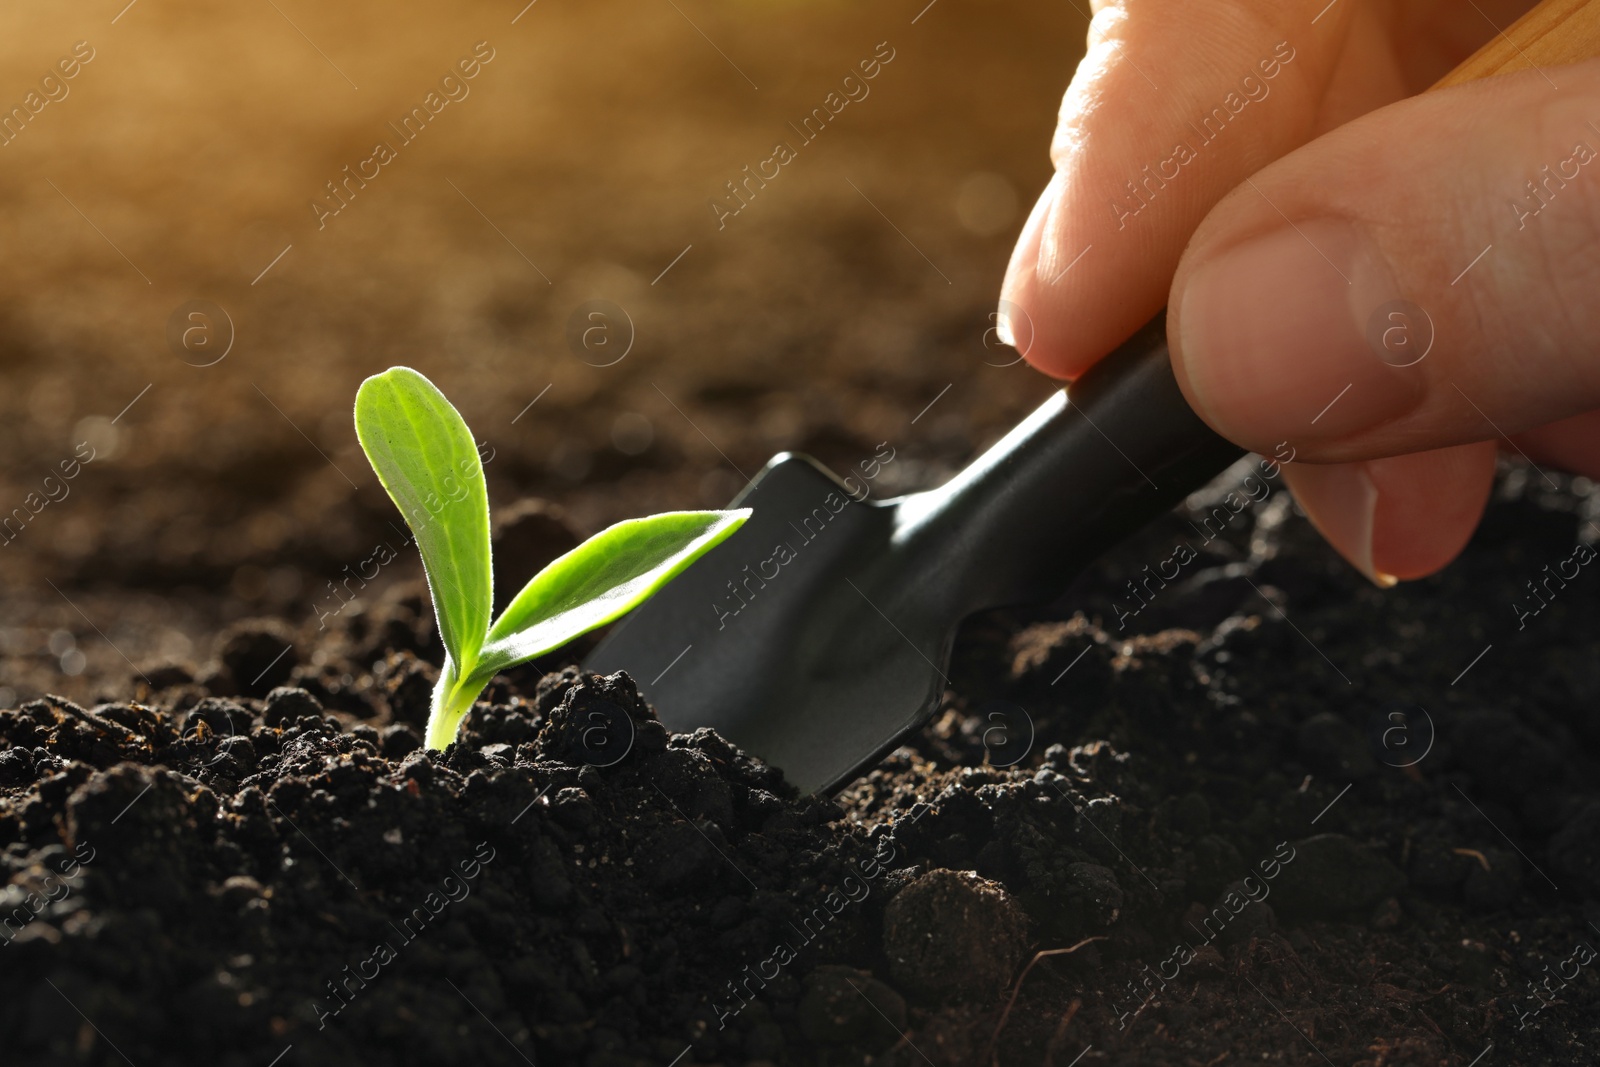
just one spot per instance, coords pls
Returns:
(425, 457)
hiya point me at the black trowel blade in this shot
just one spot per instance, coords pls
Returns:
(818, 635)
(789, 638)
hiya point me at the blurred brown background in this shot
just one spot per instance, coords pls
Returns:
(181, 164)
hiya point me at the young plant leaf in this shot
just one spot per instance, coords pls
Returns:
(426, 458)
(603, 579)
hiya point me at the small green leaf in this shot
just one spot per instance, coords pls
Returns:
(426, 458)
(601, 580)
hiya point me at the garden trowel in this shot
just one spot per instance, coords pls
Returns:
(818, 635)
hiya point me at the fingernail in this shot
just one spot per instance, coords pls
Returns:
(1018, 288)
(1024, 255)
(1344, 509)
(1273, 337)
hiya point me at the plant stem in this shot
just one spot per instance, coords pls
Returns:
(452, 699)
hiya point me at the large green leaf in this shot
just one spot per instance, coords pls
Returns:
(601, 580)
(425, 457)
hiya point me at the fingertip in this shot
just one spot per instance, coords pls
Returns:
(1401, 517)
(1342, 503)
(1018, 290)
(1064, 312)
(1032, 315)
(1429, 506)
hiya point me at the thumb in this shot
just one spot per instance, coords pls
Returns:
(1421, 277)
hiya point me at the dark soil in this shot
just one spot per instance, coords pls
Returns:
(1208, 812)
(222, 844)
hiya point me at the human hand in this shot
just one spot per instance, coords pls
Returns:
(1260, 168)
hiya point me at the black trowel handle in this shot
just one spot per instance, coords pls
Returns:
(1093, 464)
(1080, 474)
